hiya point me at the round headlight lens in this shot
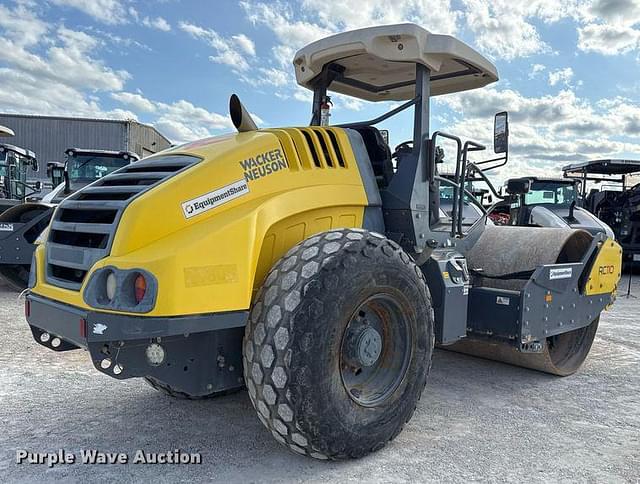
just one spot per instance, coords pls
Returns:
(111, 286)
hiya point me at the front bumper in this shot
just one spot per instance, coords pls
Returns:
(203, 353)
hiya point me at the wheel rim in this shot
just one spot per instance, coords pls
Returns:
(375, 351)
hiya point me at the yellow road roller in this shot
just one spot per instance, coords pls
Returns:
(313, 265)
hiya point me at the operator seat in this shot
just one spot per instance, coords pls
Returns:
(379, 154)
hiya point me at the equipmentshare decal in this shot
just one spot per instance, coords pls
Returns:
(561, 273)
(214, 199)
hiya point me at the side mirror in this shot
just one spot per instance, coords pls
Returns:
(55, 171)
(34, 165)
(385, 135)
(501, 133)
(518, 186)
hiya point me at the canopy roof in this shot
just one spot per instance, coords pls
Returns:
(106, 153)
(378, 63)
(18, 150)
(4, 131)
(546, 179)
(603, 167)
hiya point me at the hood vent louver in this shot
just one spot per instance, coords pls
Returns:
(315, 147)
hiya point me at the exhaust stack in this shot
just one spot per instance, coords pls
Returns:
(240, 116)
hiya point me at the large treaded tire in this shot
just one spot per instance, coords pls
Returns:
(293, 341)
(171, 392)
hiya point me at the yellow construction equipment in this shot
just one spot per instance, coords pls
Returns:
(312, 264)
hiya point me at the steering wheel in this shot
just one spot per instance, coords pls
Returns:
(404, 147)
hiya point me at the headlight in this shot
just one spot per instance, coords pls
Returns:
(131, 290)
(111, 285)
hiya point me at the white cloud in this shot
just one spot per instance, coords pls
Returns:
(610, 27)
(608, 39)
(181, 120)
(106, 11)
(21, 26)
(280, 19)
(502, 27)
(245, 44)
(337, 15)
(136, 101)
(548, 131)
(314, 19)
(158, 23)
(267, 76)
(67, 59)
(47, 68)
(234, 51)
(562, 76)
(616, 11)
(535, 70)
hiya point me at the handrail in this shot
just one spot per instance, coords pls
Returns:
(432, 175)
(472, 198)
(468, 146)
(485, 179)
(382, 117)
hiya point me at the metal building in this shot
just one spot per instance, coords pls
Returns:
(50, 136)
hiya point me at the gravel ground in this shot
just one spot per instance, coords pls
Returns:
(477, 420)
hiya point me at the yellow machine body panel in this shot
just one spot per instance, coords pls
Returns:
(606, 270)
(211, 233)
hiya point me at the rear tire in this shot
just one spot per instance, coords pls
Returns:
(338, 345)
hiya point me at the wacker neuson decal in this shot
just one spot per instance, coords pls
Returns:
(214, 199)
(263, 164)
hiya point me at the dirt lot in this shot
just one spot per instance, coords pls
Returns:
(478, 420)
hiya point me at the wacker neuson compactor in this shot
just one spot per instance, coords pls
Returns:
(309, 266)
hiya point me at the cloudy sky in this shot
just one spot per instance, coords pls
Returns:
(569, 69)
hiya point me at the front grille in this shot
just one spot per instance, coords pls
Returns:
(85, 223)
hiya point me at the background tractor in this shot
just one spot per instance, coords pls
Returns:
(546, 202)
(307, 265)
(614, 201)
(15, 165)
(24, 223)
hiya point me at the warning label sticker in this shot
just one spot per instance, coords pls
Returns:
(214, 199)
